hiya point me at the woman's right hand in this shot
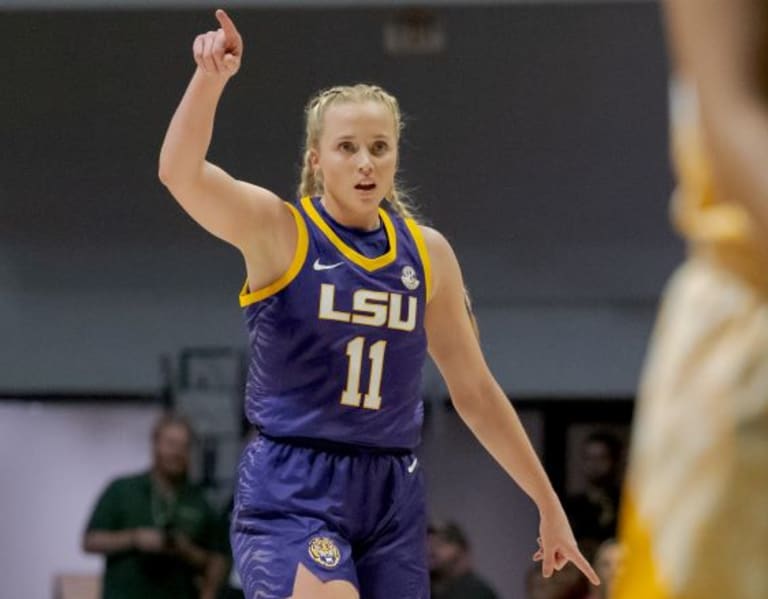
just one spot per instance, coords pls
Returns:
(218, 53)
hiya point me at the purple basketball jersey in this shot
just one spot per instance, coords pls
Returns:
(338, 342)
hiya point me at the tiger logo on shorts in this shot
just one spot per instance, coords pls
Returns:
(324, 551)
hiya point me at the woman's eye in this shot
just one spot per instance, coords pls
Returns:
(380, 147)
(347, 146)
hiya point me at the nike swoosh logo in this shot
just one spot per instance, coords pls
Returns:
(412, 467)
(318, 266)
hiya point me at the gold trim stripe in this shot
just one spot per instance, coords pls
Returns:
(421, 246)
(369, 264)
(302, 244)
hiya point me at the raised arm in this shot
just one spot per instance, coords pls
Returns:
(249, 217)
(485, 409)
(722, 46)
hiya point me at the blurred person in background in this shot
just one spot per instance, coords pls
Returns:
(450, 565)
(594, 511)
(694, 522)
(607, 563)
(564, 584)
(160, 537)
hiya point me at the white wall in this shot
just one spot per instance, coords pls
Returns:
(466, 485)
(54, 461)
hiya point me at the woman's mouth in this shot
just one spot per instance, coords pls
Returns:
(365, 186)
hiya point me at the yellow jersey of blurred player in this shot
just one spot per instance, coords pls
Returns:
(695, 512)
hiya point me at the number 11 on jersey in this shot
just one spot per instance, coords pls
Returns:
(351, 395)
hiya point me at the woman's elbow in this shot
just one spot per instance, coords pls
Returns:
(164, 173)
(469, 403)
(167, 169)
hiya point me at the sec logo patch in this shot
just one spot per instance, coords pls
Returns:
(324, 551)
(409, 278)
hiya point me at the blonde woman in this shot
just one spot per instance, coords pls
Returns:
(345, 294)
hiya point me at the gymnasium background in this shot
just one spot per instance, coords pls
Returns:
(535, 140)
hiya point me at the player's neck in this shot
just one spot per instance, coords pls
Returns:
(165, 483)
(348, 218)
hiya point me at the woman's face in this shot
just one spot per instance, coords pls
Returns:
(357, 157)
(171, 450)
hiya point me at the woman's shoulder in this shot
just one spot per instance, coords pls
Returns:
(444, 265)
(438, 246)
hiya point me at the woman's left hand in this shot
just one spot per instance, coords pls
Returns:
(557, 546)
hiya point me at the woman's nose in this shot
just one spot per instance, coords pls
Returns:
(365, 166)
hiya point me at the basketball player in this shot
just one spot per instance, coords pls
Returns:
(343, 298)
(695, 523)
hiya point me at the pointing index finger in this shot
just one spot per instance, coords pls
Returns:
(227, 25)
(583, 565)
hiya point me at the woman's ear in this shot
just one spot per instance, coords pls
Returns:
(314, 160)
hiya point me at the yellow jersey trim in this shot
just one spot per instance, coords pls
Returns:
(302, 244)
(421, 246)
(369, 264)
(639, 576)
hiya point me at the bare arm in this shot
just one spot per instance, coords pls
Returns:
(145, 539)
(245, 215)
(215, 572)
(193, 554)
(107, 542)
(484, 407)
(720, 45)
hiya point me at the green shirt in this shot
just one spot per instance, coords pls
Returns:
(132, 502)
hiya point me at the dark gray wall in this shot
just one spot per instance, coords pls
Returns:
(123, 4)
(536, 142)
